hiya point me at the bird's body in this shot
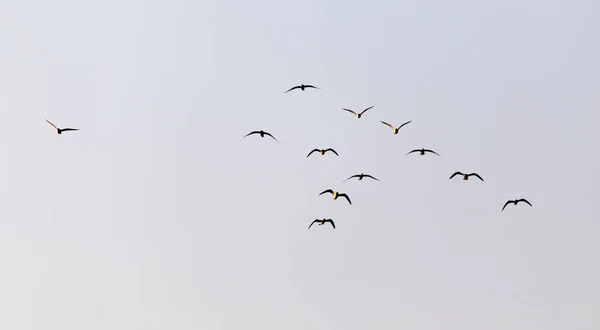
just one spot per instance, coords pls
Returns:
(516, 201)
(396, 130)
(322, 222)
(361, 176)
(322, 151)
(422, 151)
(358, 114)
(60, 130)
(301, 87)
(262, 134)
(336, 195)
(466, 176)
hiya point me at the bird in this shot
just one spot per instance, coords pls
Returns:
(465, 175)
(394, 128)
(516, 201)
(322, 222)
(262, 134)
(336, 195)
(60, 130)
(422, 151)
(302, 87)
(322, 151)
(358, 115)
(361, 176)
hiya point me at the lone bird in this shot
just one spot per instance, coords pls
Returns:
(422, 151)
(358, 115)
(322, 222)
(60, 130)
(322, 151)
(394, 128)
(516, 201)
(361, 176)
(336, 195)
(262, 134)
(465, 176)
(302, 87)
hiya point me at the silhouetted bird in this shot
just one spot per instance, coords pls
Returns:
(322, 222)
(516, 201)
(394, 128)
(358, 115)
(336, 195)
(466, 176)
(262, 134)
(322, 151)
(302, 87)
(60, 130)
(361, 176)
(422, 151)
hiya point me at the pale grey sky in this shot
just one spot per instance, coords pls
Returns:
(158, 215)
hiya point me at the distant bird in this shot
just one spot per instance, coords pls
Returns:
(422, 151)
(465, 176)
(358, 115)
(60, 130)
(322, 151)
(336, 195)
(322, 222)
(302, 87)
(262, 134)
(361, 176)
(516, 201)
(394, 128)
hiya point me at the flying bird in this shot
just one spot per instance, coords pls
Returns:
(394, 128)
(60, 130)
(322, 222)
(516, 201)
(361, 176)
(358, 115)
(465, 175)
(322, 151)
(336, 195)
(422, 151)
(262, 134)
(302, 87)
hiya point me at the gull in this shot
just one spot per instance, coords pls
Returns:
(394, 128)
(422, 151)
(358, 115)
(322, 151)
(302, 87)
(322, 222)
(466, 176)
(336, 195)
(60, 130)
(361, 176)
(262, 134)
(516, 201)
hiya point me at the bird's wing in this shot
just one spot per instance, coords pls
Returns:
(370, 176)
(524, 200)
(51, 124)
(416, 150)
(291, 89)
(331, 222)
(366, 109)
(69, 129)
(269, 134)
(477, 175)
(354, 176)
(428, 150)
(455, 174)
(312, 223)
(310, 153)
(388, 124)
(346, 196)
(408, 122)
(508, 202)
(326, 191)
(253, 132)
(350, 111)
(311, 86)
(332, 151)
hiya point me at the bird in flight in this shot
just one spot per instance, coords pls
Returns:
(262, 134)
(422, 151)
(322, 151)
(465, 175)
(361, 176)
(322, 222)
(60, 130)
(358, 115)
(302, 87)
(394, 128)
(336, 195)
(516, 201)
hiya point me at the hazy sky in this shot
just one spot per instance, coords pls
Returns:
(158, 215)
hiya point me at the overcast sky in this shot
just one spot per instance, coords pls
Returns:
(157, 214)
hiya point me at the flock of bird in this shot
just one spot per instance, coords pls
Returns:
(396, 130)
(336, 194)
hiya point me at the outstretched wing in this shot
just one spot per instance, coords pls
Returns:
(311, 86)
(524, 200)
(51, 124)
(508, 202)
(332, 151)
(366, 109)
(390, 125)
(326, 191)
(428, 150)
(312, 223)
(354, 176)
(345, 196)
(476, 175)
(253, 132)
(291, 89)
(310, 153)
(408, 122)
(330, 221)
(269, 134)
(350, 111)
(455, 174)
(69, 129)
(370, 176)
(416, 150)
